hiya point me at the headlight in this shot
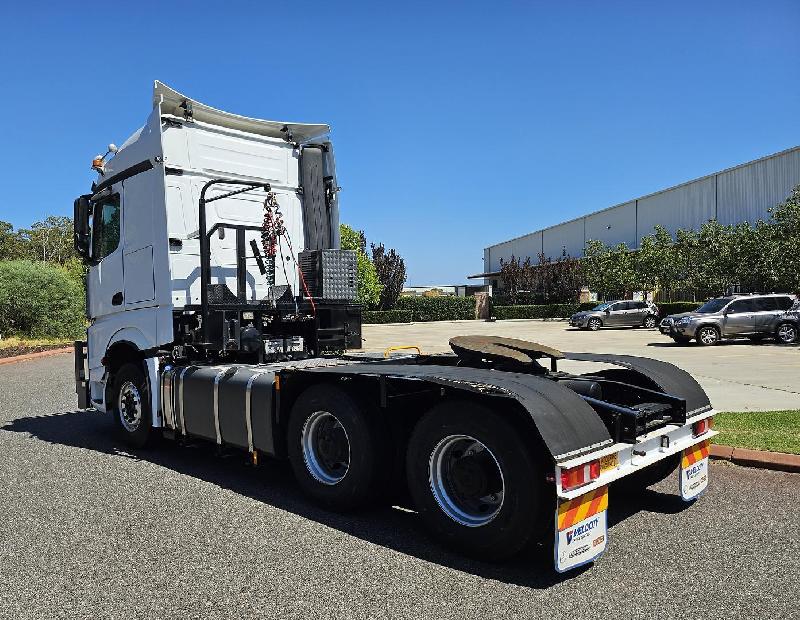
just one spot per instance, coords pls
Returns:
(683, 321)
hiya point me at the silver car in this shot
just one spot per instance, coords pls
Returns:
(617, 314)
(739, 316)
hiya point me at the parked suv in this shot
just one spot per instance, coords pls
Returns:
(738, 316)
(617, 314)
(787, 329)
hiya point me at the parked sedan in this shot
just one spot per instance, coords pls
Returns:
(617, 314)
(738, 316)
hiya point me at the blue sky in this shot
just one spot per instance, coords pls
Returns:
(456, 124)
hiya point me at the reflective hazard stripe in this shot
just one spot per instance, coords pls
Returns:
(573, 511)
(696, 453)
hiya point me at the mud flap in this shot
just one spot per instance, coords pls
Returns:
(693, 474)
(581, 529)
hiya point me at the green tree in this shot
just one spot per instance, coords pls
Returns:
(49, 240)
(391, 270)
(369, 286)
(785, 242)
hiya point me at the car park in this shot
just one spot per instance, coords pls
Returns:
(619, 313)
(753, 316)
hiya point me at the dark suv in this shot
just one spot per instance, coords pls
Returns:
(738, 316)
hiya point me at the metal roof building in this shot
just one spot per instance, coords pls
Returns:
(739, 194)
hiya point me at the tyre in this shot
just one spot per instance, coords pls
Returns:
(787, 333)
(474, 481)
(335, 448)
(708, 335)
(130, 405)
(681, 339)
(594, 324)
(650, 322)
(649, 475)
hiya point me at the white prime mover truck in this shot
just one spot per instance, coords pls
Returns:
(221, 308)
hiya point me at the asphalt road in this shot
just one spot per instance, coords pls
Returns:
(736, 374)
(88, 530)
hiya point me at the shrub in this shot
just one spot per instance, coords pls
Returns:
(438, 308)
(544, 311)
(40, 300)
(677, 307)
(386, 316)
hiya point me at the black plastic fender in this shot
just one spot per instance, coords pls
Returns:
(669, 378)
(567, 424)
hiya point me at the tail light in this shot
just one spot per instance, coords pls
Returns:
(702, 426)
(578, 476)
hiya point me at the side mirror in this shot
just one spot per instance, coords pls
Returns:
(607, 311)
(80, 223)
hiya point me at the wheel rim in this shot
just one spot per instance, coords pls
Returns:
(708, 335)
(594, 324)
(650, 323)
(466, 480)
(129, 405)
(326, 448)
(787, 333)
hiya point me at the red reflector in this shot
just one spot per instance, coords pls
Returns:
(701, 426)
(578, 476)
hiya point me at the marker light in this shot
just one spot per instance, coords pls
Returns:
(701, 426)
(578, 476)
(98, 163)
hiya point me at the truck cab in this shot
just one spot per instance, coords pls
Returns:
(139, 231)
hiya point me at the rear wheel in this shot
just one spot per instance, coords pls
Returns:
(474, 482)
(130, 400)
(708, 336)
(787, 333)
(335, 448)
(594, 324)
(650, 322)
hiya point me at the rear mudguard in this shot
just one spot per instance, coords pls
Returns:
(568, 425)
(670, 379)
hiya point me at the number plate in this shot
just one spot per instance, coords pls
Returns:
(694, 471)
(609, 462)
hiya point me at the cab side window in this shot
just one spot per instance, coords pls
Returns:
(784, 303)
(105, 227)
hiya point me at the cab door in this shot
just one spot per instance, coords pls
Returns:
(739, 318)
(105, 281)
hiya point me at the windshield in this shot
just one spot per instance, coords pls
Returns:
(713, 305)
(602, 306)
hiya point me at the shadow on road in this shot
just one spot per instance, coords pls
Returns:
(272, 483)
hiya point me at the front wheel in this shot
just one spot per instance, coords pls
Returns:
(474, 482)
(594, 324)
(708, 336)
(650, 322)
(787, 333)
(130, 402)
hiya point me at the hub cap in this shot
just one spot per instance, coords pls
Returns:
(129, 405)
(326, 448)
(708, 335)
(466, 480)
(787, 333)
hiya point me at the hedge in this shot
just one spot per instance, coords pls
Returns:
(386, 316)
(543, 311)
(40, 300)
(442, 308)
(677, 307)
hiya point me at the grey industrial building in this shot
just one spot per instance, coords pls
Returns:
(739, 194)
